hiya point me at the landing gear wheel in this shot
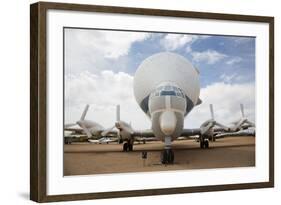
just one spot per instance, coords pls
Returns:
(125, 147)
(206, 144)
(167, 156)
(130, 147)
(202, 144)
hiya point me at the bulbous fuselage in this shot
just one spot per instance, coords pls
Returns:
(166, 87)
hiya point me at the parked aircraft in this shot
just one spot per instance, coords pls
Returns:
(166, 87)
(90, 128)
(242, 123)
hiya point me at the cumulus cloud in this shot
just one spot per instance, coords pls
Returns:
(226, 99)
(234, 61)
(96, 50)
(103, 92)
(230, 78)
(107, 89)
(172, 42)
(112, 44)
(208, 56)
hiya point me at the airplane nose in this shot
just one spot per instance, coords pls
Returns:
(168, 122)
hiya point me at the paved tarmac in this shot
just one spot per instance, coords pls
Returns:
(86, 158)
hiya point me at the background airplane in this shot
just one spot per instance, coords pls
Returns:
(90, 128)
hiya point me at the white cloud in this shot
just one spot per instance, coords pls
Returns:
(103, 92)
(96, 50)
(209, 56)
(234, 61)
(174, 41)
(226, 99)
(112, 44)
(229, 78)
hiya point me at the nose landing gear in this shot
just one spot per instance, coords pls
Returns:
(167, 156)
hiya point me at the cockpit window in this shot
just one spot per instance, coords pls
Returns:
(168, 90)
(164, 92)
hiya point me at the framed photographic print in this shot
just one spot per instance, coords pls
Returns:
(135, 102)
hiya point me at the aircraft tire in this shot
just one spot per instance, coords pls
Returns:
(164, 157)
(202, 144)
(171, 156)
(125, 147)
(206, 144)
(130, 147)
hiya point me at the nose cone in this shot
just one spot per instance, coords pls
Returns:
(168, 122)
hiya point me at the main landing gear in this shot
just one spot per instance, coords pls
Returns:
(204, 143)
(167, 156)
(128, 146)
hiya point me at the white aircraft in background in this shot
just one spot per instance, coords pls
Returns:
(242, 123)
(90, 128)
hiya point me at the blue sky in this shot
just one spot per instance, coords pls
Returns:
(100, 66)
(239, 59)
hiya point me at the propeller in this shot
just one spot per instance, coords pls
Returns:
(209, 124)
(105, 132)
(121, 125)
(81, 122)
(243, 120)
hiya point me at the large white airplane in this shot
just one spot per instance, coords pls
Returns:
(166, 87)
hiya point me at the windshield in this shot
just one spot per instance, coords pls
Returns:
(168, 90)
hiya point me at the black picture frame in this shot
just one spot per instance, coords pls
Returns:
(38, 102)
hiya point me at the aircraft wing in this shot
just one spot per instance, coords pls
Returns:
(190, 132)
(144, 133)
(241, 133)
(76, 130)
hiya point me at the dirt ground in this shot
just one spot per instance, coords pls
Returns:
(86, 158)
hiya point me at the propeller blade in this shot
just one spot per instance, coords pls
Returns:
(105, 132)
(84, 112)
(117, 113)
(86, 130)
(222, 126)
(212, 111)
(206, 128)
(242, 110)
(250, 123)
